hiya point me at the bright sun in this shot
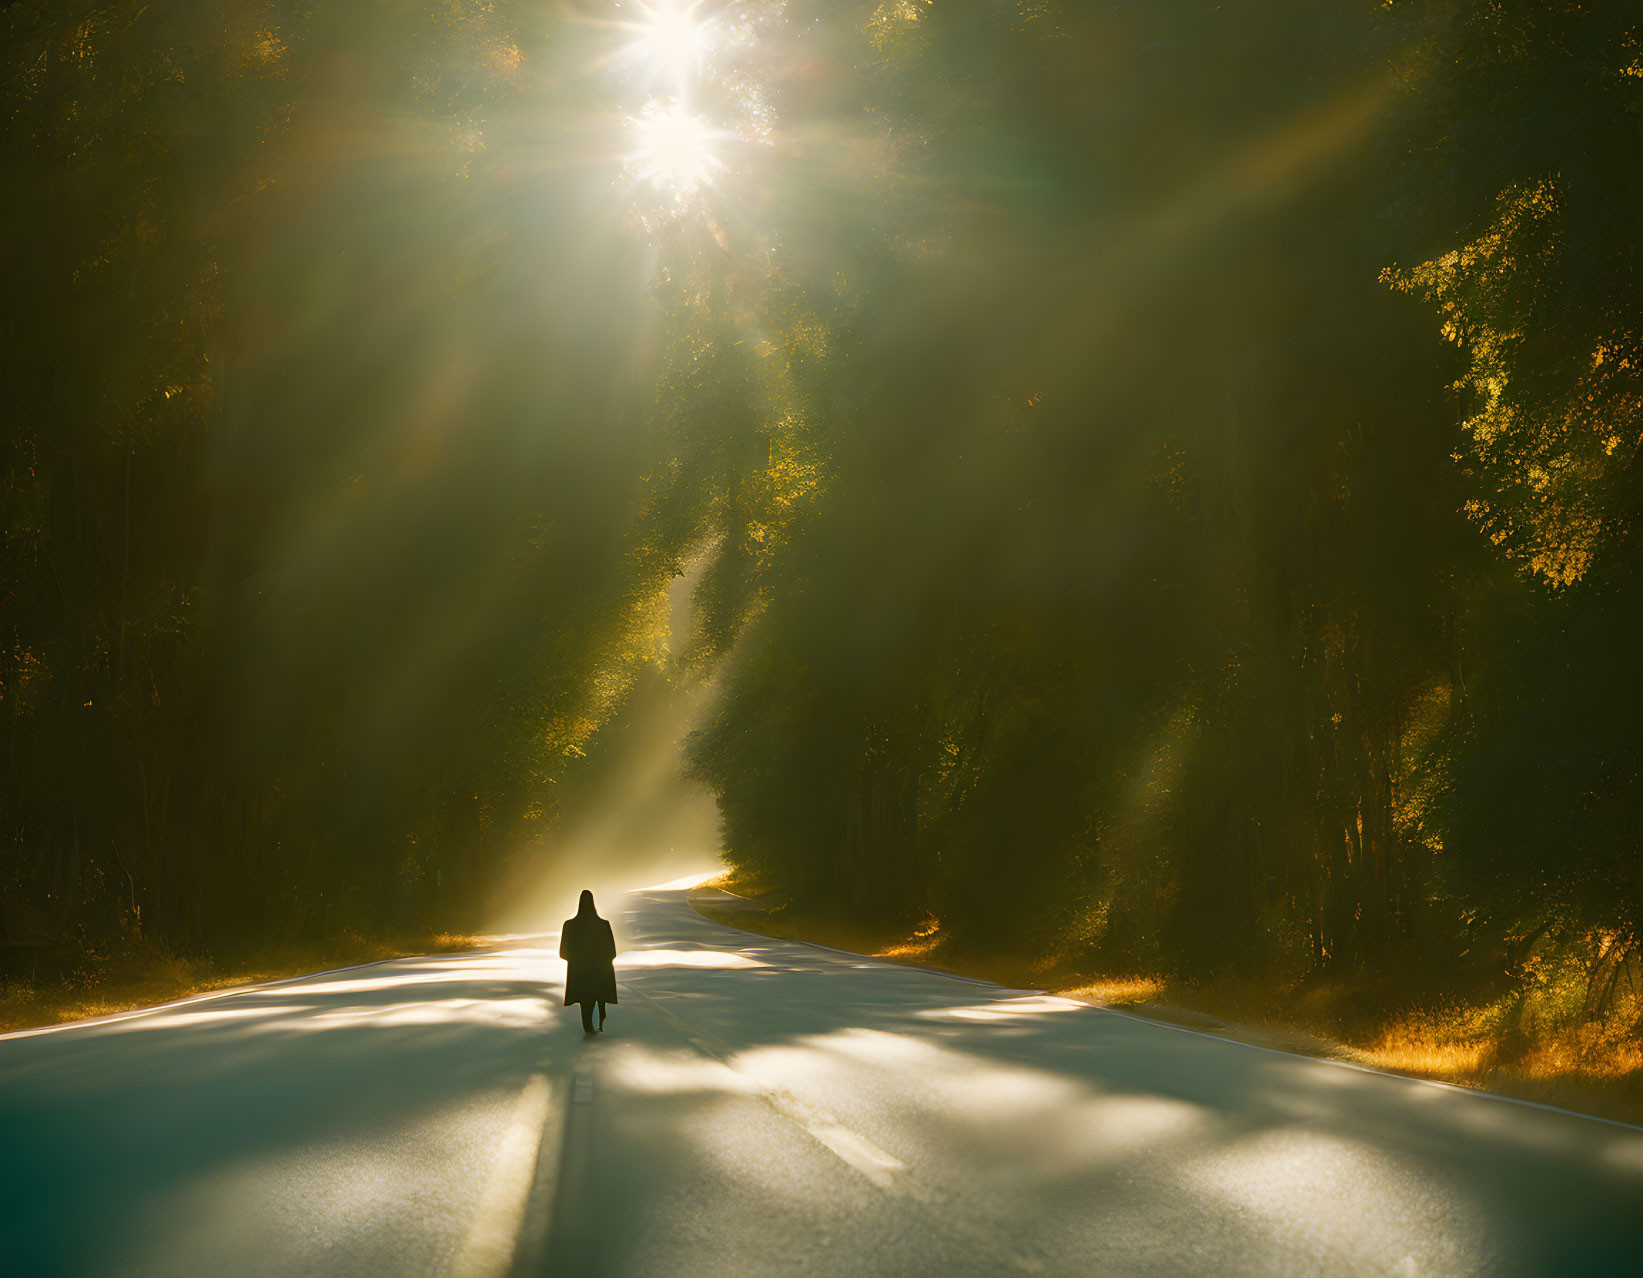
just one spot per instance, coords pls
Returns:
(669, 38)
(673, 149)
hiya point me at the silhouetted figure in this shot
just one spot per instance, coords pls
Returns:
(588, 947)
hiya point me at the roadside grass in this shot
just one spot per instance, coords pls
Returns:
(145, 977)
(1535, 1042)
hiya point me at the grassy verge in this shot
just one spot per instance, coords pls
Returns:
(145, 978)
(1535, 1049)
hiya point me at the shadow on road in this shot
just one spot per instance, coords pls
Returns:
(760, 1105)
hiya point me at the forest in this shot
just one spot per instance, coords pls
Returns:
(1159, 483)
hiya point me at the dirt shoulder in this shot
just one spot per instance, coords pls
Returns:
(1447, 1044)
(147, 979)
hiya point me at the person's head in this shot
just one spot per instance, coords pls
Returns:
(584, 908)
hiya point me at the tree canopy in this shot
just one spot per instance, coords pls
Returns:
(1160, 483)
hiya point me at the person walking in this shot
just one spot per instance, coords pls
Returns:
(588, 947)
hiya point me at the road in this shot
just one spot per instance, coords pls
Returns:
(758, 1107)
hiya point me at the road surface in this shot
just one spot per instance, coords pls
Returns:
(758, 1107)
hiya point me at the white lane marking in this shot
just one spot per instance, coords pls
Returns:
(852, 1149)
(493, 1230)
(867, 1158)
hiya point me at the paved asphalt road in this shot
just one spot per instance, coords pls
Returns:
(758, 1107)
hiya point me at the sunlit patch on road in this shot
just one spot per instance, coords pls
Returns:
(488, 1246)
(643, 1070)
(1334, 1203)
(1053, 1121)
(1006, 1009)
(502, 990)
(182, 1019)
(724, 959)
(513, 1013)
(684, 881)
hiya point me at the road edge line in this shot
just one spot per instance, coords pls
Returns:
(1217, 1038)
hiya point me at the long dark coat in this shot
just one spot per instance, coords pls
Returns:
(588, 947)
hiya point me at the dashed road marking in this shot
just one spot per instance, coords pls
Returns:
(882, 1169)
(856, 1151)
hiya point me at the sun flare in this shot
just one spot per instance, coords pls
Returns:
(670, 39)
(673, 149)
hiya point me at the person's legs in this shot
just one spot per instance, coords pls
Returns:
(601, 1013)
(587, 1017)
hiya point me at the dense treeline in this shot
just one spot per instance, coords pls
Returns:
(1172, 594)
(317, 467)
(1164, 479)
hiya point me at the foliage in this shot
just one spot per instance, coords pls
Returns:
(1097, 545)
(1138, 613)
(313, 585)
